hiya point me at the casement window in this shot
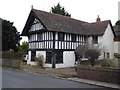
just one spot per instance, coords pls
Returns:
(39, 37)
(61, 36)
(73, 38)
(33, 55)
(48, 57)
(95, 39)
(59, 57)
(108, 55)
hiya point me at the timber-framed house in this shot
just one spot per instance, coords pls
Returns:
(56, 37)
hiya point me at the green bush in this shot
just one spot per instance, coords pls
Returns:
(108, 63)
(87, 62)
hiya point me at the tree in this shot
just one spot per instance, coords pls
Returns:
(23, 47)
(117, 23)
(91, 52)
(60, 10)
(10, 36)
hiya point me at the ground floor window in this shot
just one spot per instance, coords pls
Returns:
(48, 57)
(33, 55)
(108, 55)
(59, 57)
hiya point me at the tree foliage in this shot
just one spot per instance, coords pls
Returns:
(23, 47)
(117, 23)
(10, 36)
(88, 51)
(58, 9)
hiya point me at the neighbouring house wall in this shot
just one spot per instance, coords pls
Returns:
(107, 42)
(119, 47)
(117, 50)
(116, 47)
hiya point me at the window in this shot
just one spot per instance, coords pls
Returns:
(85, 38)
(33, 54)
(95, 39)
(59, 57)
(108, 55)
(39, 37)
(48, 57)
(60, 36)
(104, 54)
(73, 38)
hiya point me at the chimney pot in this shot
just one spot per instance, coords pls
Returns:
(98, 19)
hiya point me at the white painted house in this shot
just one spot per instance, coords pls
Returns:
(56, 37)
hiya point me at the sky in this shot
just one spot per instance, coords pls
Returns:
(17, 11)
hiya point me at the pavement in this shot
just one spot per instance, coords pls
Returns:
(75, 79)
(102, 84)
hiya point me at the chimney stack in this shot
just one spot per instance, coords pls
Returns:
(31, 7)
(98, 19)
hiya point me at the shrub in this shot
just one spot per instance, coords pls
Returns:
(40, 61)
(87, 62)
(108, 63)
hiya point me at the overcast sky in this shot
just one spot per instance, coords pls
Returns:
(17, 11)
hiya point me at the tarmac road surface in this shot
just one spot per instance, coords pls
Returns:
(20, 79)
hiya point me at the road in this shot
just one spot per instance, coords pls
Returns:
(21, 79)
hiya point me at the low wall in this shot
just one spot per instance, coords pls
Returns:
(99, 74)
(11, 63)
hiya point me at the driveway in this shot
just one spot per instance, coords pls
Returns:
(21, 79)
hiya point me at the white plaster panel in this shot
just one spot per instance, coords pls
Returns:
(69, 58)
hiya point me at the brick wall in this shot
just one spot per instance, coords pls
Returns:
(10, 63)
(99, 74)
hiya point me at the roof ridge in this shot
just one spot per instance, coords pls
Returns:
(100, 21)
(61, 16)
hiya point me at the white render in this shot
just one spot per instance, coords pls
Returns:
(107, 41)
(69, 58)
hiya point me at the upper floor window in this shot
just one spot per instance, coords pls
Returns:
(73, 38)
(95, 39)
(39, 37)
(61, 36)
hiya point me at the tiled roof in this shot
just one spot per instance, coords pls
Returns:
(60, 23)
(96, 28)
(117, 32)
